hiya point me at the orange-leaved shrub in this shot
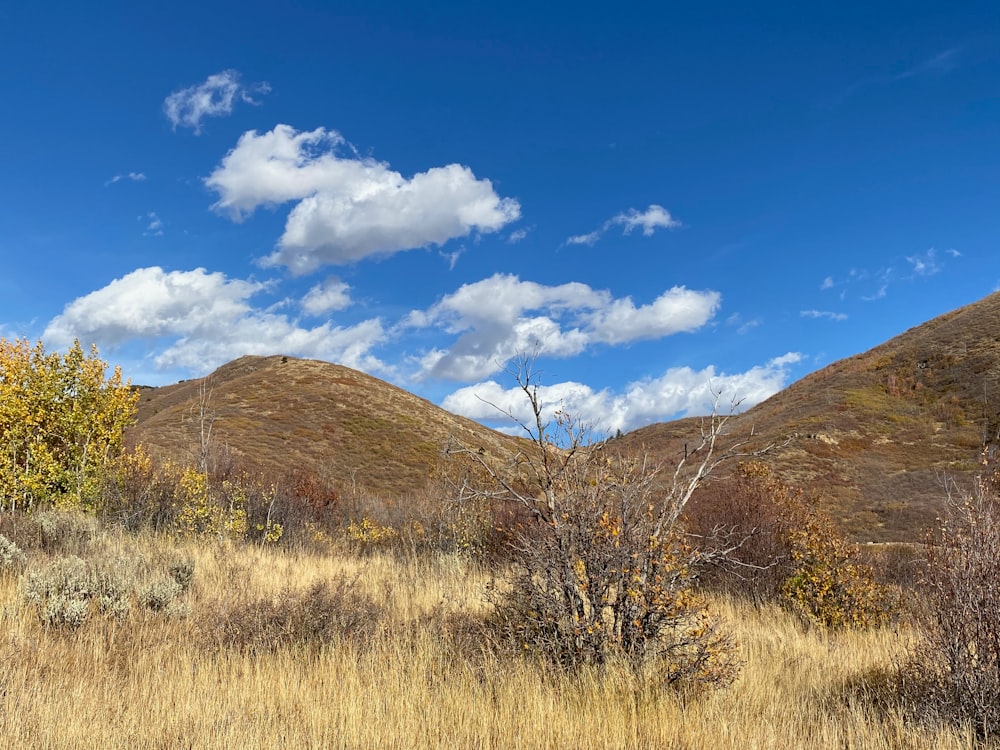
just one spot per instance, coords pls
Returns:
(789, 551)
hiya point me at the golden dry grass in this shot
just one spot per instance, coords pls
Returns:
(155, 683)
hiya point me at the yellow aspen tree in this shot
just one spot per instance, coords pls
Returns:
(62, 422)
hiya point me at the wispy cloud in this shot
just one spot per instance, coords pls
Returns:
(133, 176)
(653, 218)
(828, 315)
(517, 236)
(920, 266)
(214, 97)
(939, 64)
(924, 264)
(742, 326)
(879, 294)
(155, 226)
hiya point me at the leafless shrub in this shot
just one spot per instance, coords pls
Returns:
(66, 532)
(604, 569)
(955, 672)
(324, 612)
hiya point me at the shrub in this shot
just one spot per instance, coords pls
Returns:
(786, 551)
(61, 591)
(161, 595)
(67, 591)
(603, 573)
(324, 612)
(12, 559)
(956, 666)
(67, 532)
(367, 535)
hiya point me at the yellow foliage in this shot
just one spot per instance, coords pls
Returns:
(62, 420)
(369, 533)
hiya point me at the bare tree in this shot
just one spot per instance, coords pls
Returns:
(604, 570)
(203, 416)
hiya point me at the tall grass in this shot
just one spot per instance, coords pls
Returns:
(150, 681)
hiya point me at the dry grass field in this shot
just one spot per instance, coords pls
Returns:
(202, 677)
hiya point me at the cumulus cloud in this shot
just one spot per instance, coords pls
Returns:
(204, 319)
(828, 315)
(653, 218)
(348, 207)
(328, 296)
(214, 97)
(498, 317)
(133, 176)
(680, 391)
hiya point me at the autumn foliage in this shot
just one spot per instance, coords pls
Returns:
(790, 551)
(62, 418)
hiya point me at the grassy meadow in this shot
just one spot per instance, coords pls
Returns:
(227, 666)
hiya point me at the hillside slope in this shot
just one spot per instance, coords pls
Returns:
(283, 413)
(877, 435)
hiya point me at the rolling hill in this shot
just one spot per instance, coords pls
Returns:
(873, 437)
(281, 413)
(876, 437)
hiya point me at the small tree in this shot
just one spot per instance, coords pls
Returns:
(957, 665)
(62, 419)
(604, 569)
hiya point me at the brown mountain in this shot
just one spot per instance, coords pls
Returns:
(281, 413)
(875, 437)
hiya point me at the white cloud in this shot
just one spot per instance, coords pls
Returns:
(517, 236)
(653, 218)
(453, 257)
(206, 320)
(584, 239)
(924, 265)
(879, 294)
(680, 391)
(350, 207)
(678, 309)
(828, 315)
(827, 283)
(155, 226)
(133, 176)
(953, 252)
(212, 98)
(742, 326)
(328, 296)
(501, 316)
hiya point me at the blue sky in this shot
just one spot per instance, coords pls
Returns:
(662, 199)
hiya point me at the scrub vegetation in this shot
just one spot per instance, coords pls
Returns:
(549, 592)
